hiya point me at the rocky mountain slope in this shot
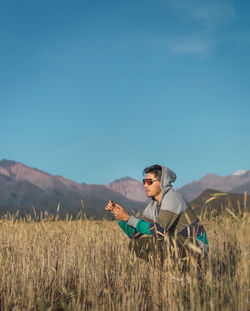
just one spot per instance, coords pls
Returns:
(213, 181)
(242, 188)
(22, 187)
(130, 188)
(19, 172)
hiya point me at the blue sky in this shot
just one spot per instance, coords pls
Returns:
(98, 90)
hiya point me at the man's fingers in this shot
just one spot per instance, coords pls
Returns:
(109, 206)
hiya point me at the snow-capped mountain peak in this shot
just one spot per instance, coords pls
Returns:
(239, 173)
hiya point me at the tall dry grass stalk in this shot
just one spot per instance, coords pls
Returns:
(86, 265)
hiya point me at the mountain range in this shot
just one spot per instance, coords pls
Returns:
(238, 182)
(235, 183)
(22, 187)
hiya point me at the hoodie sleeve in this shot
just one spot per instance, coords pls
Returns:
(134, 226)
(142, 227)
(130, 231)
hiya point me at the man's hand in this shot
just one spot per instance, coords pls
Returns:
(118, 211)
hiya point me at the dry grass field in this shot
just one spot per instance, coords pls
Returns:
(86, 265)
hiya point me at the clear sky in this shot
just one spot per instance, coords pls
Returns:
(98, 90)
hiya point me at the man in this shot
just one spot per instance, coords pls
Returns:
(167, 219)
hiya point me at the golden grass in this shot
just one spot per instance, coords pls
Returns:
(86, 265)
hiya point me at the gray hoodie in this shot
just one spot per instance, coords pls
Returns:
(173, 213)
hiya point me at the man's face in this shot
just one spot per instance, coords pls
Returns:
(152, 190)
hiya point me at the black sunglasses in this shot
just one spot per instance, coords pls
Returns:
(149, 181)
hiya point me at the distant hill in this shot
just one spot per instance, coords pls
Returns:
(242, 188)
(20, 172)
(21, 187)
(215, 203)
(130, 188)
(213, 181)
